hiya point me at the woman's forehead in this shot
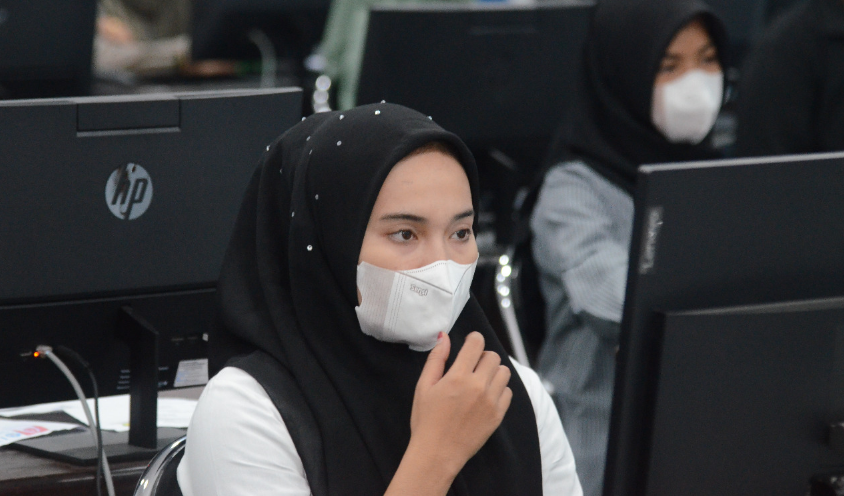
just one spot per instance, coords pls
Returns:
(690, 38)
(431, 181)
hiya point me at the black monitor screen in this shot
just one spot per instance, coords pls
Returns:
(221, 28)
(120, 202)
(492, 74)
(723, 234)
(46, 47)
(746, 400)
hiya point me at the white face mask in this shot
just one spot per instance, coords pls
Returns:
(412, 306)
(685, 109)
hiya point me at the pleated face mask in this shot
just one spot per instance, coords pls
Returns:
(684, 110)
(412, 306)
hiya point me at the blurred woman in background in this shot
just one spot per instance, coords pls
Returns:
(650, 90)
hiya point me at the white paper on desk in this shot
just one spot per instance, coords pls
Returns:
(12, 431)
(114, 411)
(38, 409)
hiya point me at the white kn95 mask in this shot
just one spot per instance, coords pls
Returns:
(685, 109)
(412, 306)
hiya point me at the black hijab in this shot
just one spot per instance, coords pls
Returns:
(610, 127)
(288, 288)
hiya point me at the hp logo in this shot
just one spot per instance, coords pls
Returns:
(128, 192)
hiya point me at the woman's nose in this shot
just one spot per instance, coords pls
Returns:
(438, 250)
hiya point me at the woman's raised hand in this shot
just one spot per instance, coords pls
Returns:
(454, 413)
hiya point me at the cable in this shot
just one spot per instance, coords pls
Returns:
(96, 432)
(48, 352)
(63, 350)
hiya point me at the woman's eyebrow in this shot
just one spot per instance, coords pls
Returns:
(422, 220)
(463, 215)
(406, 217)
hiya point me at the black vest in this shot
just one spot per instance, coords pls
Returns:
(288, 399)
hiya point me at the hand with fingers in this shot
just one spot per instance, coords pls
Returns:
(454, 413)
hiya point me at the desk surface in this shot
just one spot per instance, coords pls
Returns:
(22, 474)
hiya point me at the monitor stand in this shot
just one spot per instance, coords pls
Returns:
(143, 439)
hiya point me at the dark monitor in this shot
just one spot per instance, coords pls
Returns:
(46, 47)
(117, 212)
(722, 234)
(777, 7)
(749, 400)
(221, 28)
(492, 74)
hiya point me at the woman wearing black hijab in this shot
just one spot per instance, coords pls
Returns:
(351, 258)
(650, 90)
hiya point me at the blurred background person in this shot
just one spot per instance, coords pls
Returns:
(145, 37)
(650, 91)
(149, 38)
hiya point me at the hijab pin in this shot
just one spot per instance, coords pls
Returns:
(342, 116)
(293, 214)
(377, 112)
(430, 118)
(308, 138)
(268, 147)
(316, 197)
(303, 118)
(339, 143)
(310, 248)
(310, 152)
(383, 101)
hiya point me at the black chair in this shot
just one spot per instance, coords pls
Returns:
(159, 478)
(520, 302)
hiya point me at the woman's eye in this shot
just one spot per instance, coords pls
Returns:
(463, 234)
(402, 235)
(667, 69)
(711, 60)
